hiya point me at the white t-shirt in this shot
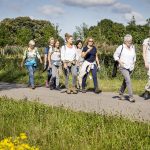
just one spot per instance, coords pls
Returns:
(69, 54)
(128, 57)
(55, 55)
(147, 44)
(80, 59)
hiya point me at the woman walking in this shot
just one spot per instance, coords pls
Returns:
(126, 57)
(54, 59)
(48, 49)
(91, 63)
(69, 58)
(30, 58)
(79, 46)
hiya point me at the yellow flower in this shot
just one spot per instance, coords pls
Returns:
(16, 144)
(23, 136)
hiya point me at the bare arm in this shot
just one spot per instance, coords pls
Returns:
(45, 59)
(22, 62)
(24, 58)
(49, 59)
(83, 54)
(97, 60)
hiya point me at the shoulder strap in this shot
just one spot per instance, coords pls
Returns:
(121, 51)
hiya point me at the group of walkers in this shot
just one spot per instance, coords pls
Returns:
(79, 60)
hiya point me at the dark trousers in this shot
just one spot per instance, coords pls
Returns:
(49, 74)
(94, 75)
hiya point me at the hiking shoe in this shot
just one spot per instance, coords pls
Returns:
(33, 87)
(146, 95)
(74, 90)
(47, 84)
(97, 91)
(83, 90)
(121, 96)
(131, 99)
(68, 91)
(57, 88)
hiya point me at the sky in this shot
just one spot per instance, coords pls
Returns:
(71, 13)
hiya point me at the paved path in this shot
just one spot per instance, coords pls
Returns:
(105, 102)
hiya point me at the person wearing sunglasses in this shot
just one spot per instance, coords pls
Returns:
(91, 63)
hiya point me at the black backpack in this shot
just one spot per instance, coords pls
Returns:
(115, 66)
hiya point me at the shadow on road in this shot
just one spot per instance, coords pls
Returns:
(9, 86)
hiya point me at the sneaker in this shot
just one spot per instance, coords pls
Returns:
(74, 90)
(131, 99)
(121, 96)
(33, 87)
(47, 84)
(57, 88)
(146, 95)
(83, 90)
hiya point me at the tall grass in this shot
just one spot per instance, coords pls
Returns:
(56, 128)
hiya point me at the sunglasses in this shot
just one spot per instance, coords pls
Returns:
(90, 41)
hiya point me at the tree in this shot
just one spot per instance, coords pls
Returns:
(22, 29)
(24, 35)
(81, 32)
(132, 22)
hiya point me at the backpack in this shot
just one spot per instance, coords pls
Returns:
(115, 66)
(32, 62)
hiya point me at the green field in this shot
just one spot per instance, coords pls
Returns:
(56, 128)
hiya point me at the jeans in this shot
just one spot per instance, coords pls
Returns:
(73, 71)
(94, 75)
(55, 74)
(126, 82)
(31, 70)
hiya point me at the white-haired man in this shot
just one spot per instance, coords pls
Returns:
(126, 57)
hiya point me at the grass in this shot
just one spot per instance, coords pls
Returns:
(56, 128)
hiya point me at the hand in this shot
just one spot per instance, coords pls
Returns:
(121, 63)
(89, 49)
(65, 65)
(98, 67)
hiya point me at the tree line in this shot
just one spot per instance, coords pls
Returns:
(20, 30)
(112, 33)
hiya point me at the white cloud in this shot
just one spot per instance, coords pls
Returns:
(88, 3)
(121, 8)
(138, 17)
(50, 10)
(128, 12)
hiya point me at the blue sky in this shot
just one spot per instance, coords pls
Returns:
(71, 13)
